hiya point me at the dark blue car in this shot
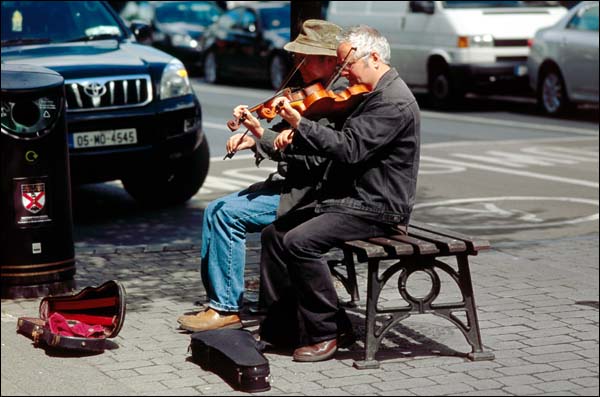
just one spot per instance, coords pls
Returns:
(131, 111)
(246, 44)
(179, 25)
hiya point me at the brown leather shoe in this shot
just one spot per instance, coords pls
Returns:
(187, 316)
(202, 308)
(318, 352)
(209, 319)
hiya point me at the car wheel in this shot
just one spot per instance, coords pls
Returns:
(552, 93)
(277, 71)
(171, 186)
(211, 74)
(443, 92)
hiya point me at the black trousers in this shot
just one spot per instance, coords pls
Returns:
(294, 271)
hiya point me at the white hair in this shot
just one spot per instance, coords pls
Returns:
(366, 40)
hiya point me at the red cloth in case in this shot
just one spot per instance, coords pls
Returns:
(59, 325)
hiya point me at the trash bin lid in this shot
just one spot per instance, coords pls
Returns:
(24, 78)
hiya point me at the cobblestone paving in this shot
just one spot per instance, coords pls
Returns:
(537, 307)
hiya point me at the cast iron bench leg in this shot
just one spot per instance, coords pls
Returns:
(422, 305)
(371, 340)
(349, 279)
(473, 335)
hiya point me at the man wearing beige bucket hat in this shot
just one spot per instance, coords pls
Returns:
(227, 220)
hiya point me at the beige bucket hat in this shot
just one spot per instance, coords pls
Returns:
(317, 37)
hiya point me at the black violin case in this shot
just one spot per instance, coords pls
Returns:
(80, 322)
(233, 355)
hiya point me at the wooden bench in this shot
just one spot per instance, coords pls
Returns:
(419, 250)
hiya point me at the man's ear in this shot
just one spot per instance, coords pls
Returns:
(376, 59)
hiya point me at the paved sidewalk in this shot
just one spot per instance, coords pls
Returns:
(537, 306)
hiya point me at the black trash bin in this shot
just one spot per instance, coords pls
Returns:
(36, 227)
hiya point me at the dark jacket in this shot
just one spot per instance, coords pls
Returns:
(297, 174)
(375, 156)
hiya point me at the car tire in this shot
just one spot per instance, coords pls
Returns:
(174, 185)
(444, 93)
(552, 92)
(211, 68)
(278, 70)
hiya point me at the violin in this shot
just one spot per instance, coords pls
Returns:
(321, 100)
(312, 102)
(315, 102)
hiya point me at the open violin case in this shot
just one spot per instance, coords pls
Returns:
(79, 322)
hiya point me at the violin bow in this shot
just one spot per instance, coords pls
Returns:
(253, 108)
(230, 154)
(280, 90)
(337, 74)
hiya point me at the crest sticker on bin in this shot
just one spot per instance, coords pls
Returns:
(32, 204)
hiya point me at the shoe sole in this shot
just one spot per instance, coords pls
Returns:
(194, 329)
(312, 359)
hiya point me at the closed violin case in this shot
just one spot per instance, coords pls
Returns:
(233, 355)
(80, 322)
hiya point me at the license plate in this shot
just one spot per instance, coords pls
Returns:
(125, 136)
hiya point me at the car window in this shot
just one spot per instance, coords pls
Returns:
(275, 18)
(236, 17)
(227, 20)
(585, 19)
(248, 21)
(199, 13)
(56, 21)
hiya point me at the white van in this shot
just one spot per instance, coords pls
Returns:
(448, 48)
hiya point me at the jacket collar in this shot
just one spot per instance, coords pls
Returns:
(386, 79)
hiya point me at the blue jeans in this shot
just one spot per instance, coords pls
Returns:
(226, 222)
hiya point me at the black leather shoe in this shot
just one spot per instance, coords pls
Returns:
(318, 352)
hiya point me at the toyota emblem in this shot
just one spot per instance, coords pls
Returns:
(94, 89)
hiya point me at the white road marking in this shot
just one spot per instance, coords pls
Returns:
(493, 211)
(506, 142)
(528, 174)
(216, 126)
(219, 89)
(507, 123)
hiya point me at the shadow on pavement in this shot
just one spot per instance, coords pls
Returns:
(104, 215)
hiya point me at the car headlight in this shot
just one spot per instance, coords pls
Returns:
(478, 40)
(174, 81)
(183, 40)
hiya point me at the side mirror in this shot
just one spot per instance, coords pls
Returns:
(142, 32)
(426, 7)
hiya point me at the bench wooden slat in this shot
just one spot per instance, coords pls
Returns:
(475, 244)
(445, 244)
(396, 247)
(422, 247)
(365, 250)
